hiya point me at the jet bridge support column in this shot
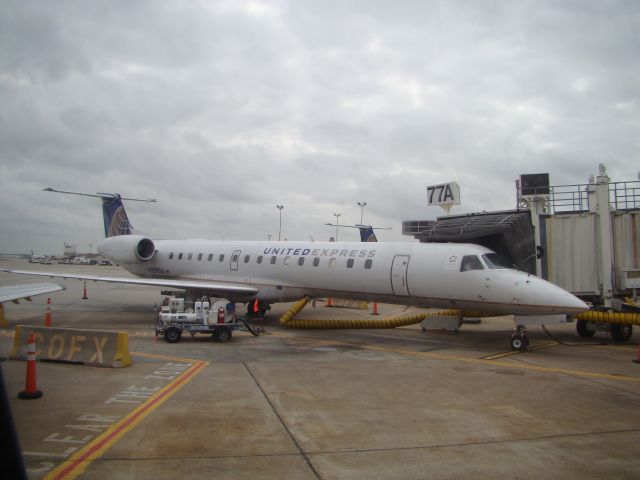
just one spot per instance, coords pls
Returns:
(599, 204)
(538, 206)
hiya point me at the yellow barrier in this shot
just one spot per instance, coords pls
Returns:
(87, 347)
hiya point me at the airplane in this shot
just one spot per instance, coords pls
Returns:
(466, 277)
(36, 258)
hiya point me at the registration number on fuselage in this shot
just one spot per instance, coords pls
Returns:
(158, 271)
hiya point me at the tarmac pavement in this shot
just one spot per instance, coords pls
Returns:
(321, 404)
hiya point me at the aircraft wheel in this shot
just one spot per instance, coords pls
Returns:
(621, 332)
(222, 335)
(585, 329)
(519, 342)
(172, 335)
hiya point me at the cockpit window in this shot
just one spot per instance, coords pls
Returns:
(494, 261)
(470, 262)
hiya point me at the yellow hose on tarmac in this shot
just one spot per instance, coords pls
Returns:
(356, 322)
(294, 310)
(610, 317)
(287, 319)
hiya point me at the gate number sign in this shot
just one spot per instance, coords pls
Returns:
(446, 193)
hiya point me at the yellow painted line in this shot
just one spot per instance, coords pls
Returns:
(479, 361)
(535, 368)
(166, 357)
(517, 352)
(80, 461)
(500, 355)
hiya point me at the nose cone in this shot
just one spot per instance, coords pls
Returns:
(556, 299)
(572, 304)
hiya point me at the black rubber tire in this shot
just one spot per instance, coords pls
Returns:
(582, 327)
(222, 335)
(172, 335)
(519, 342)
(621, 332)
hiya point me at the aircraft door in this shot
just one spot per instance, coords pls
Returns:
(399, 268)
(235, 257)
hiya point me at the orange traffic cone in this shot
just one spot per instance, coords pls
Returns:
(84, 294)
(30, 391)
(329, 302)
(47, 315)
(375, 309)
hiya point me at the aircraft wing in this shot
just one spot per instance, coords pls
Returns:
(16, 292)
(219, 288)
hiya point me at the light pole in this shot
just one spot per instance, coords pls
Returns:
(280, 207)
(337, 215)
(362, 205)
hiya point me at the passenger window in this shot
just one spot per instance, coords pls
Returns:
(367, 263)
(199, 256)
(316, 261)
(259, 259)
(221, 258)
(180, 256)
(171, 256)
(234, 259)
(246, 258)
(350, 263)
(470, 262)
(210, 257)
(190, 256)
(273, 260)
(301, 261)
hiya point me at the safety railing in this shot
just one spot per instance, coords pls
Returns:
(575, 198)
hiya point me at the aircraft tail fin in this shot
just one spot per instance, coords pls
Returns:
(116, 221)
(366, 231)
(367, 234)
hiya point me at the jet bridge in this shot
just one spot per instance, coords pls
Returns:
(591, 236)
(584, 238)
(509, 233)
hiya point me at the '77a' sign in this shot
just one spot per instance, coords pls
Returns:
(444, 194)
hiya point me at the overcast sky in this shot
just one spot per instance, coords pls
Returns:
(224, 109)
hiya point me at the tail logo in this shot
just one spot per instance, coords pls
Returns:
(119, 223)
(116, 221)
(367, 234)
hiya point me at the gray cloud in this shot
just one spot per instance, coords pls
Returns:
(222, 110)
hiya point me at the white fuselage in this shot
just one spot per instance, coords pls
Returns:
(425, 275)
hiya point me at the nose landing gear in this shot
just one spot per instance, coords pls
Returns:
(519, 339)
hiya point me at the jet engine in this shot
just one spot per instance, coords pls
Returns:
(127, 248)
